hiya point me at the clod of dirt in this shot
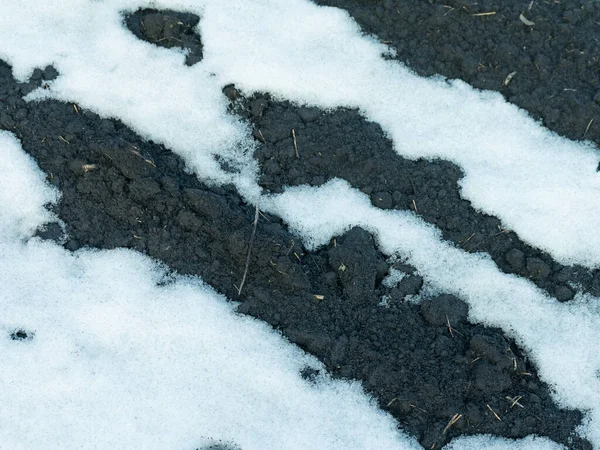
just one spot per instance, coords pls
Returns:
(444, 309)
(357, 264)
(21, 335)
(168, 29)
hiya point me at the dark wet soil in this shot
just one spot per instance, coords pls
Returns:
(167, 28)
(438, 374)
(341, 144)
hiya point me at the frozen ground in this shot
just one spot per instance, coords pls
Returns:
(94, 333)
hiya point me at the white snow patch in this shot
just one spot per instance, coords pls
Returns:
(393, 277)
(22, 191)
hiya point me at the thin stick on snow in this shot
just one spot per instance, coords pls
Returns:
(249, 250)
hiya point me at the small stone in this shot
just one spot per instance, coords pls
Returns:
(382, 200)
(231, 92)
(36, 75)
(515, 258)
(309, 114)
(258, 107)
(50, 73)
(444, 308)
(537, 268)
(409, 285)
(563, 293)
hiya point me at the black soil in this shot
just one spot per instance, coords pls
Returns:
(425, 364)
(341, 144)
(167, 28)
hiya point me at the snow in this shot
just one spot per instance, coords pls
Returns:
(21, 212)
(120, 359)
(394, 277)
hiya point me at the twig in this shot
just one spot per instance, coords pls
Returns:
(295, 143)
(588, 127)
(262, 138)
(455, 418)
(415, 206)
(494, 413)
(89, 167)
(467, 240)
(249, 250)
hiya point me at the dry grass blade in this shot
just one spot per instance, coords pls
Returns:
(467, 240)
(249, 250)
(295, 143)
(262, 138)
(491, 13)
(450, 330)
(415, 206)
(508, 78)
(515, 401)
(494, 413)
(455, 418)
(588, 127)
